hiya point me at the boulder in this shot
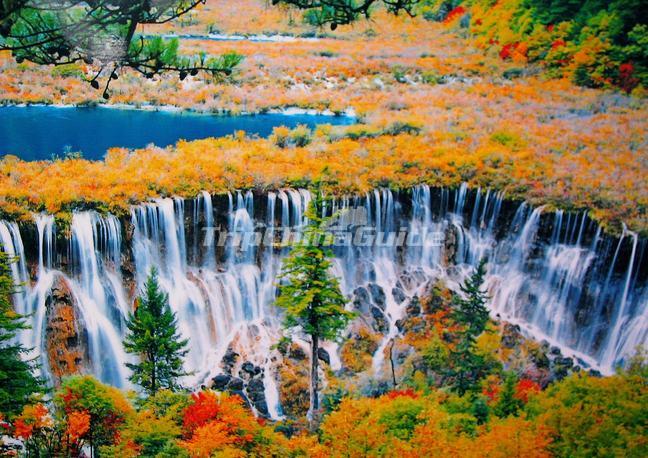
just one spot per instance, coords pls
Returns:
(229, 360)
(249, 370)
(379, 320)
(323, 356)
(235, 384)
(377, 295)
(256, 394)
(399, 295)
(361, 300)
(221, 381)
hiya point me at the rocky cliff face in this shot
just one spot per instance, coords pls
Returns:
(65, 341)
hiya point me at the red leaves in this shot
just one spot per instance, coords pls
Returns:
(406, 393)
(23, 430)
(205, 407)
(69, 398)
(214, 421)
(492, 391)
(505, 53)
(627, 81)
(208, 406)
(454, 14)
(516, 51)
(524, 388)
(559, 43)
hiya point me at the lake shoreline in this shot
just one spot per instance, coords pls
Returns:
(288, 110)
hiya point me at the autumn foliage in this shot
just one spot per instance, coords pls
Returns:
(213, 422)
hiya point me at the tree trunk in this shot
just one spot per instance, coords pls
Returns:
(391, 361)
(154, 378)
(314, 381)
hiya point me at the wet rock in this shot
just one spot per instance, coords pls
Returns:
(362, 300)
(249, 370)
(221, 381)
(562, 367)
(566, 362)
(229, 360)
(256, 394)
(226, 382)
(595, 373)
(555, 351)
(377, 295)
(235, 384)
(582, 363)
(450, 245)
(379, 320)
(399, 295)
(413, 308)
(323, 356)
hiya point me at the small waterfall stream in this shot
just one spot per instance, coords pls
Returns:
(555, 274)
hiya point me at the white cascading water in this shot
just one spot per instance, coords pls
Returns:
(560, 289)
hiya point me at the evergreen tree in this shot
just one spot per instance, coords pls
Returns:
(311, 296)
(471, 316)
(153, 335)
(508, 404)
(470, 312)
(18, 385)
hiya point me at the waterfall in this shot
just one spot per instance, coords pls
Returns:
(99, 298)
(621, 317)
(554, 274)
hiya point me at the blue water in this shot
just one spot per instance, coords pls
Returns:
(43, 132)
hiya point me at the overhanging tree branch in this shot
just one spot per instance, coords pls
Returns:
(101, 33)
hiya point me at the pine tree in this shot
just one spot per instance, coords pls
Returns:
(311, 296)
(18, 384)
(153, 336)
(508, 404)
(471, 312)
(471, 316)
